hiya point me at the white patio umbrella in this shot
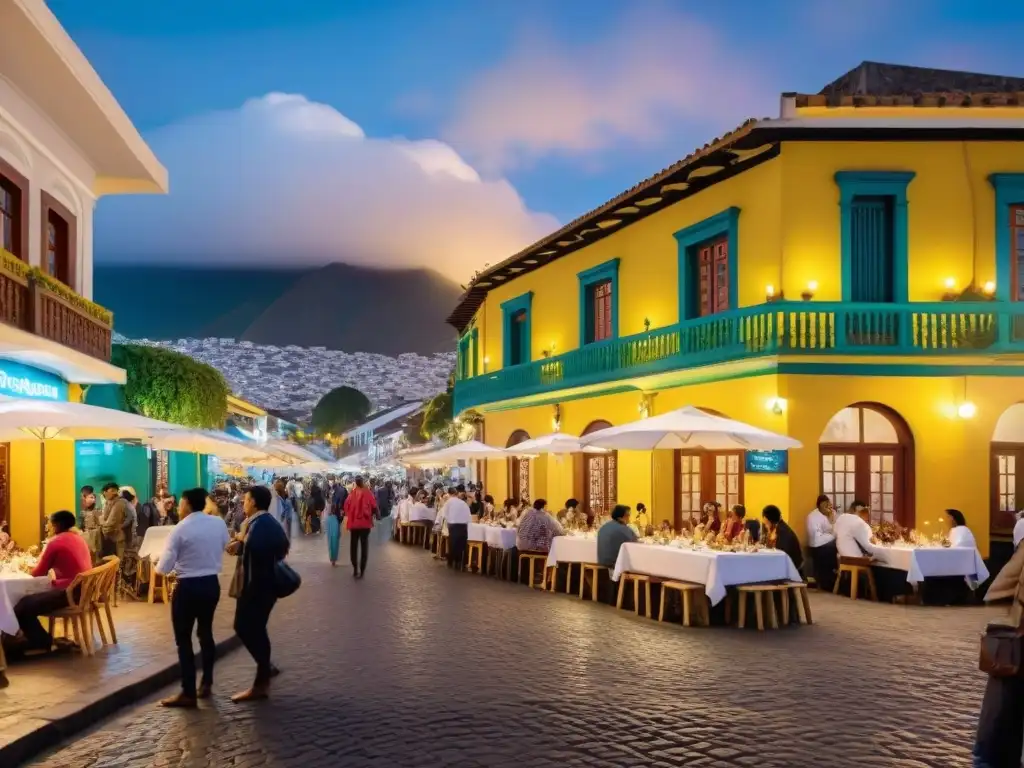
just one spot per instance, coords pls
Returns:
(471, 450)
(556, 442)
(687, 428)
(44, 420)
(205, 441)
(290, 452)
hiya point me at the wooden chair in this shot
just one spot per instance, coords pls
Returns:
(637, 578)
(102, 599)
(856, 567)
(594, 571)
(551, 577)
(533, 558)
(80, 593)
(764, 601)
(800, 600)
(475, 548)
(687, 591)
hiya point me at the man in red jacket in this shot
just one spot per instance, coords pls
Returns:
(360, 511)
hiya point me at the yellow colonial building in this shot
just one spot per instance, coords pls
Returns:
(850, 273)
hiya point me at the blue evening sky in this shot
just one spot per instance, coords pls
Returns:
(417, 69)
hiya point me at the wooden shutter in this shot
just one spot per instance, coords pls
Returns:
(1017, 253)
(721, 275)
(871, 250)
(705, 281)
(601, 312)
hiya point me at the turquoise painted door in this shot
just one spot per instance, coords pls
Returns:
(872, 271)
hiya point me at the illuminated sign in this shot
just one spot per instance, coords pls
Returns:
(767, 462)
(17, 380)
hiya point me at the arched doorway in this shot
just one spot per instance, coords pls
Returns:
(1007, 450)
(703, 476)
(518, 469)
(598, 476)
(866, 453)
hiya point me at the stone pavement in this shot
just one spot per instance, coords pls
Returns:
(50, 697)
(418, 666)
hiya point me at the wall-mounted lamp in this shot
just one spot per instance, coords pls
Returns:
(487, 361)
(989, 288)
(647, 324)
(556, 418)
(950, 285)
(966, 410)
(770, 293)
(809, 292)
(776, 405)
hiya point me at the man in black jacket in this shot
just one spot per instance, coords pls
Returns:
(785, 539)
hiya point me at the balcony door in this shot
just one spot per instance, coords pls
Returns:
(597, 477)
(518, 470)
(713, 276)
(703, 476)
(872, 249)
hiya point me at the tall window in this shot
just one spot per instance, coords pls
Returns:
(518, 338)
(872, 268)
(599, 316)
(58, 257)
(600, 477)
(10, 217)
(518, 470)
(1017, 252)
(703, 476)
(713, 276)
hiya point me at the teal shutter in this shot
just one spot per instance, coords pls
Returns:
(872, 269)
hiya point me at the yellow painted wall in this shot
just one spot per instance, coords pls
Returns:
(24, 482)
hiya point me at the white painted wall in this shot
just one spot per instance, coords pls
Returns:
(31, 143)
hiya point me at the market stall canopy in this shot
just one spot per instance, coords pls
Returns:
(471, 450)
(289, 452)
(689, 428)
(210, 442)
(556, 442)
(61, 420)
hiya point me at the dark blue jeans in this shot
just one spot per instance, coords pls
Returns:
(252, 613)
(1000, 736)
(195, 602)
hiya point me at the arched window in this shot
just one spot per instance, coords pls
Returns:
(518, 469)
(703, 476)
(599, 477)
(866, 453)
(1007, 452)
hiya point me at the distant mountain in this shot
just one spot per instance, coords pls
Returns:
(338, 306)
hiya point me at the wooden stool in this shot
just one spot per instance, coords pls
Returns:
(685, 590)
(636, 579)
(856, 567)
(533, 558)
(758, 591)
(594, 571)
(801, 601)
(478, 548)
(156, 588)
(551, 577)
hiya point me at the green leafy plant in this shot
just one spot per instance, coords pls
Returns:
(168, 385)
(340, 409)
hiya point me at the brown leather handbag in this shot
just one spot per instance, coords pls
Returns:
(1001, 650)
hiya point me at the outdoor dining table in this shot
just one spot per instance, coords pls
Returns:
(422, 516)
(572, 549)
(492, 535)
(13, 587)
(714, 569)
(155, 542)
(921, 563)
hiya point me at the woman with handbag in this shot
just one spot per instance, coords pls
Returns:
(1000, 738)
(261, 546)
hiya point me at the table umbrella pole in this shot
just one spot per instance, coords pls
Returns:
(42, 491)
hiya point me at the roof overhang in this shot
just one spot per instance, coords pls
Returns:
(39, 59)
(240, 407)
(38, 352)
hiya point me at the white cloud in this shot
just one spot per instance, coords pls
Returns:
(284, 180)
(653, 70)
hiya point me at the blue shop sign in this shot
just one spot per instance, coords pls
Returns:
(18, 380)
(766, 462)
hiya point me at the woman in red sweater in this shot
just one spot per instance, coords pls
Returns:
(360, 511)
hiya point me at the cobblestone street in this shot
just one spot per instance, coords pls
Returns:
(419, 666)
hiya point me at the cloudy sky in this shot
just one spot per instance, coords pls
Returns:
(451, 133)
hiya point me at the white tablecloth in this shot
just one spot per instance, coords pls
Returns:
(13, 587)
(572, 549)
(715, 570)
(922, 562)
(155, 542)
(492, 535)
(422, 516)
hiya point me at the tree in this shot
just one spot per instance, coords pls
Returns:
(340, 409)
(437, 417)
(164, 384)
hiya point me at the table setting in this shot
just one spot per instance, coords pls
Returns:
(496, 536)
(15, 583)
(926, 553)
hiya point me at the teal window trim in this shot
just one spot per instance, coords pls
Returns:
(475, 365)
(1009, 189)
(725, 223)
(588, 278)
(508, 309)
(875, 184)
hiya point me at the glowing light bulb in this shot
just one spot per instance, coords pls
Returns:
(812, 286)
(769, 291)
(966, 410)
(950, 283)
(989, 287)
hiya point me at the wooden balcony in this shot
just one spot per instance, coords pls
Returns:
(779, 328)
(37, 303)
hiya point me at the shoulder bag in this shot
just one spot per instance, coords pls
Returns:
(1001, 650)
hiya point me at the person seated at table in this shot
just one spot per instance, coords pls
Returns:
(610, 538)
(853, 532)
(489, 513)
(959, 534)
(67, 555)
(510, 512)
(643, 525)
(821, 542)
(537, 527)
(1018, 530)
(665, 529)
(784, 537)
(734, 523)
(711, 517)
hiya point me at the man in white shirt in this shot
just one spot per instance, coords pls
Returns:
(195, 552)
(853, 533)
(457, 514)
(1018, 530)
(821, 542)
